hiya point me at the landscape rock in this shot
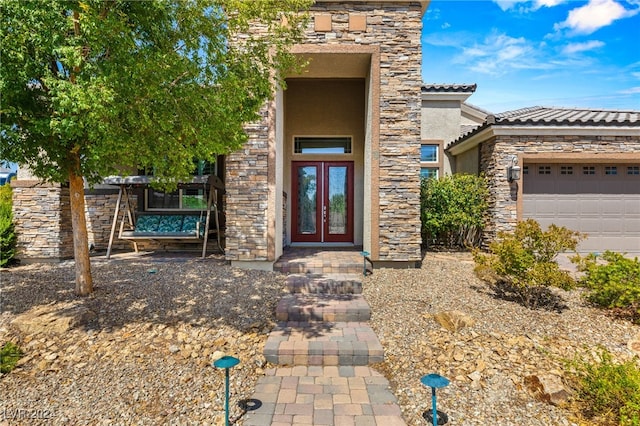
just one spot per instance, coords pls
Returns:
(548, 388)
(453, 320)
(58, 318)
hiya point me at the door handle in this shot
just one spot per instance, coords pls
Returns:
(324, 214)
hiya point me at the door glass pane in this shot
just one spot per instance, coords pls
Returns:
(307, 208)
(337, 200)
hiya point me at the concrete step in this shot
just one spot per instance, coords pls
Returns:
(323, 307)
(324, 283)
(323, 343)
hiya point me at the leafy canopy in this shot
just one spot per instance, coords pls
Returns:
(120, 85)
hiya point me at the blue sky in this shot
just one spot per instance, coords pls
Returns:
(540, 52)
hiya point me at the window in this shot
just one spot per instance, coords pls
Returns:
(633, 170)
(428, 172)
(525, 170)
(184, 198)
(544, 170)
(429, 153)
(588, 170)
(322, 145)
(610, 170)
(566, 170)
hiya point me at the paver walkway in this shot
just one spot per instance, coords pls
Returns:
(323, 346)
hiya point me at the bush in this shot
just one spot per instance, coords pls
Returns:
(613, 284)
(522, 265)
(606, 391)
(8, 236)
(452, 209)
(9, 356)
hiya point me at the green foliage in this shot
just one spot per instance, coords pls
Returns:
(8, 236)
(10, 353)
(522, 265)
(453, 208)
(613, 280)
(608, 391)
(122, 85)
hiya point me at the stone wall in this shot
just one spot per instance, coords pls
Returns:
(396, 28)
(42, 216)
(495, 155)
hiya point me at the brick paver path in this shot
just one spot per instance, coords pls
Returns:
(322, 348)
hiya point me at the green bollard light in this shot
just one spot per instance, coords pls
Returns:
(364, 262)
(226, 362)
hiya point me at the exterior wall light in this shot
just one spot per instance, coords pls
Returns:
(513, 170)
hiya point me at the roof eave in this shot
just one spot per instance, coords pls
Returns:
(486, 132)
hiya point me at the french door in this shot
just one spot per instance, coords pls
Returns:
(322, 202)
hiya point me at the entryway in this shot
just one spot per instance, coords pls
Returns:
(322, 202)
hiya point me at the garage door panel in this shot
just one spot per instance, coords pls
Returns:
(604, 206)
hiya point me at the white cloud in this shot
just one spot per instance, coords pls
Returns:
(498, 53)
(631, 91)
(529, 6)
(594, 15)
(572, 48)
(445, 25)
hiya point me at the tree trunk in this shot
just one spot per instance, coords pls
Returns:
(84, 282)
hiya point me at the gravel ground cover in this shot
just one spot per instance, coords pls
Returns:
(487, 362)
(144, 354)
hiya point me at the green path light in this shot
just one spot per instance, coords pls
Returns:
(364, 262)
(226, 362)
(435, 381)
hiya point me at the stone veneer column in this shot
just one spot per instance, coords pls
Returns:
(42, 215)
(396, 28)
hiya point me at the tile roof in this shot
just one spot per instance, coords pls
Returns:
(566, 116)
(440, 88)
(549, 116)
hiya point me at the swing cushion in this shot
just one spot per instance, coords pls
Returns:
(168, 226)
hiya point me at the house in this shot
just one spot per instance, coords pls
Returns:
(338, 155)
(574, 167)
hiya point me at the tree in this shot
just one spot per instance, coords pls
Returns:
(93, 88)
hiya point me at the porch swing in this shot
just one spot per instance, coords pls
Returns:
(190, 225)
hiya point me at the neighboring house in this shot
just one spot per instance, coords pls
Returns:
(578, 168)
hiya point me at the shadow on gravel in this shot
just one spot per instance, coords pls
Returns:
(192, 291)
(542, 298)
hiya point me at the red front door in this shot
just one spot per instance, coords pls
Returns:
(322, 202)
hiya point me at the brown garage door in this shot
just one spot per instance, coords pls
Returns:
(601, 200)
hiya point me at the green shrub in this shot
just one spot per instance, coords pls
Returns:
(522, 264)
(607, 391)
(8, 236)
(613, 281)
(10, 353)
(452, 209)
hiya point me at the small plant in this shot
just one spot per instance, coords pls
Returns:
(9, 356)
(8, 236)
(452, 209)
(613, 281)
(607, 391)
(522, 264)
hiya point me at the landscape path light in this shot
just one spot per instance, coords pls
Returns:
(435, 381)
(226, 362)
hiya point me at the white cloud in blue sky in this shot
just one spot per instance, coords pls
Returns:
(543, 52)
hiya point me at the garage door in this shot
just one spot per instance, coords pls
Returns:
(601, 200)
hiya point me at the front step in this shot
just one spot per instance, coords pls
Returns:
(324, 284)
(323, 307)
(323, 343)
(320, 261)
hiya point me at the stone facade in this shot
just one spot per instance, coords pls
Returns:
(42, 216)
(496, 152)
(395, 28)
